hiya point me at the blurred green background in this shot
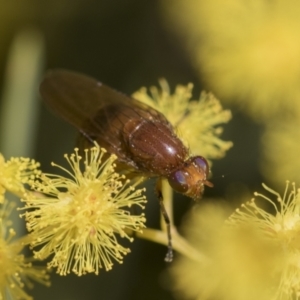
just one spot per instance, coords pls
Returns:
(125, 44)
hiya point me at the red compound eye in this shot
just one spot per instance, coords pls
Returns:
(178, 181)
(201, 163)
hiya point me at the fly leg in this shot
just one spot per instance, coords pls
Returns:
(169, 255)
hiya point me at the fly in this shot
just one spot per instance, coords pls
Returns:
(142, 138)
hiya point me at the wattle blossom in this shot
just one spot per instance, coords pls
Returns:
(253, 254)
(81, 220)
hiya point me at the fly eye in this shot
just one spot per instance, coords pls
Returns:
(178, 181)
(201, 163)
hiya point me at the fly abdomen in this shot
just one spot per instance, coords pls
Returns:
(154, 146)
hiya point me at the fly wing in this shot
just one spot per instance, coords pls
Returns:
(96, 110)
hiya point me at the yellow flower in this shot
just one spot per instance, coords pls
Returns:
(283, 228)
(16, 270)
(280, 150)
(247, 51)
(16, 172)
(196, 121)
(80, 224)
(253, 255)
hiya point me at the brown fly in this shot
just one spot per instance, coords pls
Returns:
(141, 137)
